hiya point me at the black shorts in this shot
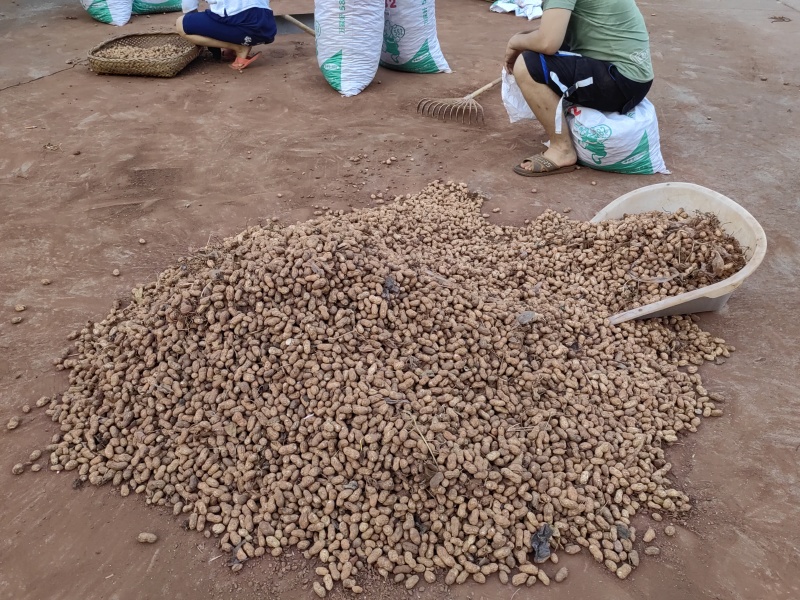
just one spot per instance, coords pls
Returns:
(610, 91)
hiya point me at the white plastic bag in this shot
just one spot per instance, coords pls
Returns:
(530, 9)
(349, 38)
(513, 100)
(113, 12)
(410, 42)
(147, 7)
(628, 143)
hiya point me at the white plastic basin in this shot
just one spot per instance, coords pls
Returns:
(734, 220)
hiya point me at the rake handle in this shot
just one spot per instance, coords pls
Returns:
(485, 88)
(297, 23)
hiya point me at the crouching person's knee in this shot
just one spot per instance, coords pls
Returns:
(179, 26)
(521, 69)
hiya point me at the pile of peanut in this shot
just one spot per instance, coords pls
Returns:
(408, 388)
(161, 52)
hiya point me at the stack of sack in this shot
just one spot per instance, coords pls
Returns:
(354, 37)
(118, 12)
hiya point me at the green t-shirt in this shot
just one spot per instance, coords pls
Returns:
(609, 30)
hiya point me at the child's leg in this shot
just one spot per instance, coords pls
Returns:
(201, 40)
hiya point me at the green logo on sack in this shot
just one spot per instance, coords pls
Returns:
(392, 34)
(422, 62)
(637, 162)
(594, 139)
(332, 70)
(100, 11)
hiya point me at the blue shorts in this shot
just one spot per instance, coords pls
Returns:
(250, 27)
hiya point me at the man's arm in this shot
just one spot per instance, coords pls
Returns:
(548, 39)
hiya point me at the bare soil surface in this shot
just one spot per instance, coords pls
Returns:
(91, 164)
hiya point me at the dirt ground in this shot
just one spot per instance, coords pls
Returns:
(178, 161)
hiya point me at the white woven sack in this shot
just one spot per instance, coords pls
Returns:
(621, 143)
(113, 12)
(410, 42)
(349, 38)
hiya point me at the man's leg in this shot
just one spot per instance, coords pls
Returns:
(200, 40)
(544, 103)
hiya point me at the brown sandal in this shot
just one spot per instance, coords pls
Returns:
(541, 166)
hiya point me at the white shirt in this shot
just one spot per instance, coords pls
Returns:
(225, 7)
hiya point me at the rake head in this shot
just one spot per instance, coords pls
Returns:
(463, 110)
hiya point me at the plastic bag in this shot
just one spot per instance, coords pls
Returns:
(147, 7)
(113, 12)
(530, 9)
(410, 42)
(513, 100)
(622, 143)
(349, 39)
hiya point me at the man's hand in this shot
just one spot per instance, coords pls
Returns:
(512, 53)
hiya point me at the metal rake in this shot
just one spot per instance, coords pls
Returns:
(463, 109)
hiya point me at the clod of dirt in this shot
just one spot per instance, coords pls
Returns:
(35, 455)
(669, 530)
(277, 384)
(115, 272)
(13, 423)
(16, 320)
(20, 307)
(562, 574)
(147, 538)
(17, 469)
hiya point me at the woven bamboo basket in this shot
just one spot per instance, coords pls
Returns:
(147, 67)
